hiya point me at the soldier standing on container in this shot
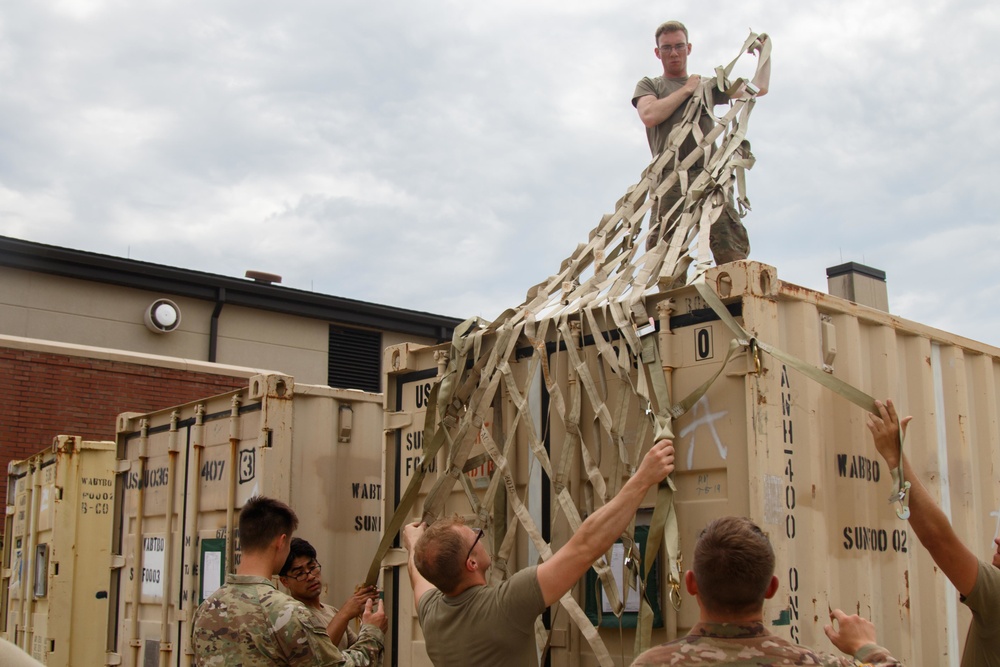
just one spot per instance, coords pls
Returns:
(733, 575)
(249, 623)
(660, 102)
(302, 576)
(465, 622)
(977, 581)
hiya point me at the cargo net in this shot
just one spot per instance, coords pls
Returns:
(598, 294)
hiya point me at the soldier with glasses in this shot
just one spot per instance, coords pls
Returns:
(302, 575)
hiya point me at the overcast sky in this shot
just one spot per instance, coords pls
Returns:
(446, 156)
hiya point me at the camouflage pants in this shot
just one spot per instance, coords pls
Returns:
(728, 238)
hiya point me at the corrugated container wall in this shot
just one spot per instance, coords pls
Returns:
(764, 442)
(57, 552)
(185, 472)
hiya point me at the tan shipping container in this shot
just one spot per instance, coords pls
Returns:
(185, 472)
(766, 442)
(57, 550)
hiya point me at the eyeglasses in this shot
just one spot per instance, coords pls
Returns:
(302, 575)
(676, 48)
(479, 536)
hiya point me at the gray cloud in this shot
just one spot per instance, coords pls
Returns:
(446, 156)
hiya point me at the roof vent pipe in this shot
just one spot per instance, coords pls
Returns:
(861, 284)
(261, 277)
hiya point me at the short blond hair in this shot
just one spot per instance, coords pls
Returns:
(670, 26)
(438, 553)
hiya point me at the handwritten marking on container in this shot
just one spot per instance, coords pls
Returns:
(707, 485)
(248, 465)
(707, 419)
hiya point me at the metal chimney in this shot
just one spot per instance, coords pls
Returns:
(861, 284)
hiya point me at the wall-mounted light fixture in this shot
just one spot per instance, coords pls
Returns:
(162, 316)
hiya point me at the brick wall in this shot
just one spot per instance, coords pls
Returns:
(43, 395)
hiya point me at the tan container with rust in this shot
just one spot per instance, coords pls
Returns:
(768, 443)
(57, 550)
(185, 472)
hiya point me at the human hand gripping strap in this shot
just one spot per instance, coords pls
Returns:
(900, 486)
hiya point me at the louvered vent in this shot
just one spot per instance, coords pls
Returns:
(355, 359)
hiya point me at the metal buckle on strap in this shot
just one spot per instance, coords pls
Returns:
(755, 351)
(675, 594)
(645, 329)
(629, 560)
(675, 584)
(900, 497)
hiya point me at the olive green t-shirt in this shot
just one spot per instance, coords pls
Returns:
(982, 645)
(657, 135)
(485, 626)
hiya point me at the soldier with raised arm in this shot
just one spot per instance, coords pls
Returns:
(467, 622)
(977, 580)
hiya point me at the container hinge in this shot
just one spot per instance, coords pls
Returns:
(123, 465)
(397, 420)
(117, 561)
(112, 658)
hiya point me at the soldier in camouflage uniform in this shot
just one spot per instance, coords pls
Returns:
(302, 576)
(733, 575)
(249, 623)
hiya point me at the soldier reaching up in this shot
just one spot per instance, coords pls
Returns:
(977, 581)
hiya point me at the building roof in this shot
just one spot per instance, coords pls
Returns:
(69, 263)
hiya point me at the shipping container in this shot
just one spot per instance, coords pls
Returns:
(57, 549)
(765, 441)
(184, 473)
